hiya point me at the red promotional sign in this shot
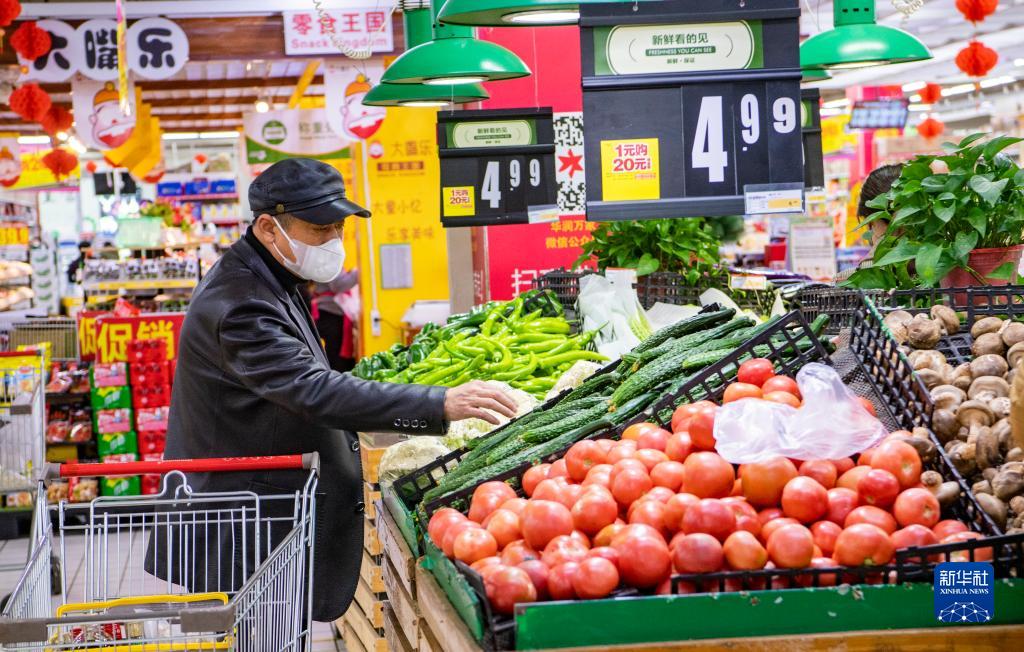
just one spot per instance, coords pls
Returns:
(112, 334)
(87, 333)
(506, 259)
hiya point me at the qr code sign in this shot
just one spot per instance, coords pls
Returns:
(572, 189)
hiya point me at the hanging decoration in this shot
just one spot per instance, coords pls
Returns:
(30, 41)
(30, 102)
(60, 162)
(976, 10)
(156, 173)
(977, 59)
(9, 10)
(91, 167)
(200, 158)
(57, 118)
(931, 93)
(930, 128)
(123, 92)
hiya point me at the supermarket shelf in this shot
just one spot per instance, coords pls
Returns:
(233, 222)
(185, 245)
(207, 197)
(65, 398)
(141, 284)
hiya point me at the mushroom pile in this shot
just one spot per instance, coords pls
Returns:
(972, 406)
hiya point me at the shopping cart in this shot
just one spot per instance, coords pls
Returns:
(108, 601)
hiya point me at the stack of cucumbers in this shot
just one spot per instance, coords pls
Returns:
(657, 368)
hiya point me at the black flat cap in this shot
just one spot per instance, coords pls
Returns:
(311, 190)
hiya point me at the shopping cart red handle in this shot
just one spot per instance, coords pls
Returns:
(305, 461)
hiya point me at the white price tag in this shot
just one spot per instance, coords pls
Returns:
(777, 198)
(542, 214)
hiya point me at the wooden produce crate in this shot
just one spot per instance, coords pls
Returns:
(440, 618)
(428, 642)
(371, 605)
(397, 551)
(359, 633)
(371, 573)
(371, 499)
(371, 541)
(406, 614)
(371, 447)
(397, 642)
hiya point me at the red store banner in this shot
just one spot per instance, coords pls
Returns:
(112, 334)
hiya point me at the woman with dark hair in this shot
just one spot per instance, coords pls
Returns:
(877, 183)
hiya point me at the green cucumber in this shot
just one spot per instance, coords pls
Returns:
(571, 422)
(700, 321)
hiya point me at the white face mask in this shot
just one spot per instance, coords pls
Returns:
(321, 263)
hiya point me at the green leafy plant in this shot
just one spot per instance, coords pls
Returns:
(937, 219)
(686, 246)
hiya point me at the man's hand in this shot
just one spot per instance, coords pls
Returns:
(474, 399)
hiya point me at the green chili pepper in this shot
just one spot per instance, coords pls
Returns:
(444, 372)
(466, 374)
(571, 356)
(520, 372)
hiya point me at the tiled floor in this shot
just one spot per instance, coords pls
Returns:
(128, 572)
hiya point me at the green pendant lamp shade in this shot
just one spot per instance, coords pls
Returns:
(856, 41)
(507, 13)
(814, 75)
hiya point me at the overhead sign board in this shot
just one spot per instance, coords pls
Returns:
(685, 108)
(497, 167)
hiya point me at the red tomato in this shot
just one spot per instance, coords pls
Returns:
(668, 474)
(763, 482)
(644, 559)
(914, 536)
(843, 465)
(823, 471)
(850, 479)
(660, 494)
(769, 514)
(533, 477)
(840, 503)
(439, 523)
(682, 415)
(474, 544)
(739, 505)
(900, 459)
(791, 546)
(454, 530)
(517, 552)
(486, 565)
(804, 499)
(675, 508)
(599, 475)
(593, 512)
(488, 497)
(650, 457)
(872, 515)
(707, 475)
(504, 527)
(634, 431)
(516, 506)
(595, 578)
(606, 444)
(654, 438)
(878, 488)
(697, 553)
(769, 528)
(744, 552)
(507, 586)
(748, 523)
(622, 465)
(917, 506)
(864, 459)
(678, 446)
(621, 451)
(867, 405)
(549, 489)
(863, 544)
(543, 520)
(630, 484)
(581, 538)
(781, 384)
(783, 397)
(755, 371)
(538, 572)
(583, 456)
(562, 549)
(825, 534)
(560, 581)
(608, 534)
(739, 391)
(606, 552)
(559, 469)
(825, 579)
(650, 512)
(702, 428)
(710, 516)
(978, 554)
(943, 529)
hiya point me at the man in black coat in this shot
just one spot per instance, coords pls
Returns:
(252, 379)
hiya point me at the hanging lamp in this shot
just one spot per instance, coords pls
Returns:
(454, 57)
(814, 75)
(507, 13)
(418, 30)
(856, 41)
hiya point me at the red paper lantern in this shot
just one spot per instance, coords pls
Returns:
(930, 128)
(976, 10)
(60, 162)
(57, 118)
(30, 41)
(9, 10)
(931, 93)
(200, 158)
(30, 102)
(977, 59)
(91, 166)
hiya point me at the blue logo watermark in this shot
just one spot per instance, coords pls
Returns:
(964, 592)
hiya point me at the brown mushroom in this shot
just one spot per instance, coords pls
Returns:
(1015, 355)
(945, 425)
(1017, 505)
(897, 322)
(987, 388)
(923, 333)
(927, 359)
(975, 414)
(948, 397)
(1004, 433)
(932, 480)
(1012, 333)
(926, 450)
(1015, 454)
(921, 433)
(1008, 483)
(988, 365)
(988, 343)
(994, 508)
(932, 378)
(1000, 407)
(961, 376)
(986, 449)
(946, 317)
(986, 325)
(948, 493)
(989, 474)
(981, 487)
(962, 456)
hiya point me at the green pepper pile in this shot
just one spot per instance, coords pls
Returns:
(526, 342)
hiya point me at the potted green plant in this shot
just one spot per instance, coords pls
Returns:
(961, 226)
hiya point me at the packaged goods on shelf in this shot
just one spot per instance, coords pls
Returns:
(150, 419)
(83, 490)
(120, 443)
(111, 398)
(109, 422)
(120, 485)
(112, 374)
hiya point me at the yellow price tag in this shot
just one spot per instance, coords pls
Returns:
(458, 201)
(630, 170)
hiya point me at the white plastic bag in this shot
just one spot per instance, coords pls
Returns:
(831, 424)
(614, 309)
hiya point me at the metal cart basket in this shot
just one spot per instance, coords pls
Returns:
(259, 601)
